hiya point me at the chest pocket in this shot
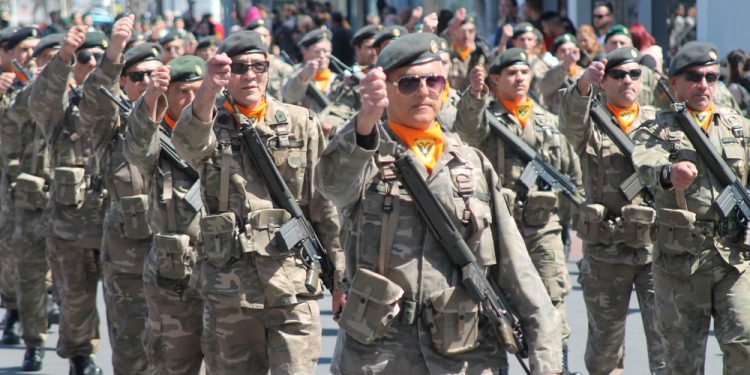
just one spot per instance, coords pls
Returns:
(551, 144)
(735, 155)
(290, 156)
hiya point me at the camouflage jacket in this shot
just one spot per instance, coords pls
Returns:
(249, 269)
(76, 192)
(539, 68)
(342, 105)
(277, 72)
(416, 262)
(541, 133)
(604, 169)
(660, 143)
(459, 75)
(553, 81)
(447, 115)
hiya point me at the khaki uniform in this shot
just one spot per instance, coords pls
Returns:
(277, 72)
(447, 115)
(263, 317)
(175, 309)
(616, 255)
(127, 237)
(554, 80)
(342, 106)
(536, 212)
(76, 209)
(699, 268)
(7, 267)
(539, 68)
(459, 76)
(407, 341)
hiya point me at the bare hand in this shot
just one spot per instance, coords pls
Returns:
(507, 34)
(73, 40)
(374, 100)
(570, 58)
(309, 70)
(338, 302)
(157, 85)
(430, 23)
(217, 74)
(416, 14)
(478, 75)
(593, 74)
(6, 81)
(683, 174)
(121, 31)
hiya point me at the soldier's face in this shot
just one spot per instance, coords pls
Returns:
(419, 109)
(81, 69)
(365, 53)
(23, 51)
(618, 41)
(622, 92)
(46, 56)
(173, 50)
(446, 60)
(319, 51)
(206, 53)
(693, 86)
(133, 89)
(526, 42)
(248, 88)
(512, 83)
(466, 35)
(179, 95)
(568, 52)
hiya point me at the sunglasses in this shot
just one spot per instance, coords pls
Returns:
(139, 76)
(697, 77)
(85, 57)
(258, 67)
(408, 85)
(618, 74)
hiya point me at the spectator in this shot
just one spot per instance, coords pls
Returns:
(646, 45)
(588, 43)
(55, 25)
(532, 11)
(678, 25)
(373, 19)
(508, 11)
(341, 39)
(604, 18)
(552, 27)
(737, 82)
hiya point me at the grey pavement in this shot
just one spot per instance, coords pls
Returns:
(636, 360)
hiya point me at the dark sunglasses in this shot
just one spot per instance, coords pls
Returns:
(258, 67)
(85, 57)
(634, 74)
(408, 85)
(697, 77)
(139, 76)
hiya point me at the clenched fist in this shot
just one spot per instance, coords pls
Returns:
(593, 74)
(74, 39)
(121, 31)
(374, 100)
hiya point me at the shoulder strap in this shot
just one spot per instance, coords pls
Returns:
(391, 205)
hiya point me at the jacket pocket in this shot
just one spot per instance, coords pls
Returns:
(453, 319)
(371, 307)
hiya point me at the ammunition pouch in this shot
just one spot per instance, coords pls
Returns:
(679, 233)
(134, 217)
(635, 226)
(261, 232)
(220, 239)
(30, 192)
(539, 207)
(69, 186)
(174, 256)
(593, 227)
(371, 308)
(453, 319)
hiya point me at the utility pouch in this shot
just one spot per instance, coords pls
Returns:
(30, 192)
(134, 219)
(261, 231)
(174, 256)
(372, 305)
(677, 234)
(70, 186)
(539, 207)
(635, 225)
(453, 319)
(220, 239)
(593, 226)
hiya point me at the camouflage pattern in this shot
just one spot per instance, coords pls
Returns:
(277, 72)
(247, 281)
(609, 272)
(543, 239)
(348, 175)
(553, 81)
(447, 115)
(75, 230)
(175, 309)
(124, 247)
(701, 274)
(539, 68)
(342, 107)
(459, 75)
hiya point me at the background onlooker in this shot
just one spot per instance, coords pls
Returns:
(588, 43)
(646, 44)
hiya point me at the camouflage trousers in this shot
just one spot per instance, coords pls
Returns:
(685, 304)
(607, 288)
(76, 272)
(29, 246)
(7, 259)
(282, 340)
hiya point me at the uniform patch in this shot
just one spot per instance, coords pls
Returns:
(280, 116)
(426, 147)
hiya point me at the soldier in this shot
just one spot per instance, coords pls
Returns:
(127, 237)
(699, 261)
(562, 76)
(450, 97)
(365, 55)
(616, 253)
(387, 35)
(265, 319)
(536, 210)
(76, 209)
(279, 69)
(467, 51)
(206, 47)
(175, 309)
(173, 46)
(619, 36)
(525, 37)
(392, 258)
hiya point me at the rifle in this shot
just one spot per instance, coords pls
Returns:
(321, 100)
(24, 75)
(537, 167)
(606, 123)
(483, 292)
(297, 233)
(193, 195)
(355, 75)
(733, 194)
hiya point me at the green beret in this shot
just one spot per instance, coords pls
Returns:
(170, 37)
(693, 54)
(512, 56)
(243, 42)
(443, 45)
(314, 36)
(95, 39)
(469, 19)
(410, 49)
(134, 38)
(142, 52)
(6, 33)
(207, 41)
(621, 56)
(186, 69)
(49, 41)
(364, 33)
(618, 29)
(562, 39)
(388, 33)
(523, 28)
(187, 36)
(20, 35)
(257, 23)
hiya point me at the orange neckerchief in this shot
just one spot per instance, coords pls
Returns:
(573, 70)
(521, 109)
(257, 112)
(445, 93)
(169, 120)
(321, 79)
(704, 118)
(427, 144)
(20, 76)
(463, 52)
(625, 116)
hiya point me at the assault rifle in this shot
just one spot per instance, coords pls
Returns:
(24, 75)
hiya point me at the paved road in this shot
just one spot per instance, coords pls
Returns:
(636, 360)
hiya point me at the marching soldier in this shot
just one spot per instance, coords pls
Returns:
(387, 35)
(405, 292)
(562, 76)
(206, 47)
(259, 301)
(616, 231)
(527, 38)
(173, 46)
(279, 69)
(619, 36)
(365, 55)
(467, 51)
(700, 262)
